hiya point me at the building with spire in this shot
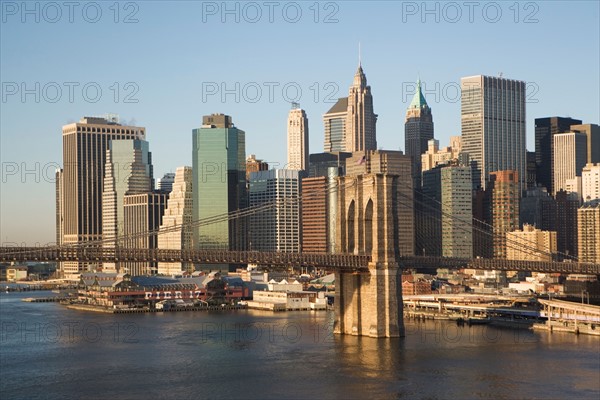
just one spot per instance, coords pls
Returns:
(297, 133)
(418, 130)
(360, 118)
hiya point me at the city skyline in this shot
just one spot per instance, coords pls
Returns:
(391, 77)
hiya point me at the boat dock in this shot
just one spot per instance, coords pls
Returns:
(568, 316)
(88, 307)
(54, 299)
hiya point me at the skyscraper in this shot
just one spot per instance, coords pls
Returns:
(321, 162)
(360, 118)
(335, 126)
(531, 169)
(570, 154)
(84, 156)
(142, 213)
(545, 129)
(314, 214)
(588, 220)
(278, 228)
(176, 232)
(531, 244)
(566, 223)
(493, 126)
(254, 165)
(297, 134)
(219, 181)
(592, 133)
(538, 208)
(457, 211)
(435, 156)
(59, 206)
(165, 184)
(590, 177)
(504, 207)
(418, 130)
(445, 226)
(128, 170)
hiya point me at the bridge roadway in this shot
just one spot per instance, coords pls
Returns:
(340, 262)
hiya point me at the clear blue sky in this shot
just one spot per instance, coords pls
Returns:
(177, 51)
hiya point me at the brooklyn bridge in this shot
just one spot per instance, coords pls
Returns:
(373, 216)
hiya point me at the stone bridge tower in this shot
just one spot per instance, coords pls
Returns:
(375, 216)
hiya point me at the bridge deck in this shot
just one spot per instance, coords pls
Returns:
(341, 262)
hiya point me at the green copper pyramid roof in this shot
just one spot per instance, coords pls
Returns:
(418, 100)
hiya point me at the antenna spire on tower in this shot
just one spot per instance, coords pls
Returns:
(359, 60)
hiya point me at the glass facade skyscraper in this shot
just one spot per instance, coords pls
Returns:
(128, 170)
(219, 181)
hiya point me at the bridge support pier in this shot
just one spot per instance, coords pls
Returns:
(369, 303)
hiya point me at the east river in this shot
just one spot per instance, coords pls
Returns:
(49, 352)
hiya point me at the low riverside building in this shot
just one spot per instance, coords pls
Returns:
(288, 300)
(124, 291)
(16, 273)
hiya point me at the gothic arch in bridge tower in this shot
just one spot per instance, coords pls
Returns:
(368, 230)
(351, 246)
(372, 220)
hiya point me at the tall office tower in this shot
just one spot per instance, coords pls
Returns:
(128, 170)
(435, 156)
(84, 156)
(531, 169)
(219, 181)
(538, 209)
(165, 184)
(418, 130)
(360, 118)
(142, 214)
(335, 126)
(314, 215)
(482, 234)
(457, 211)
(545, 129)
(531, 244)
(428, 214)
(278, 228)
(592, 133)
(176, 231)
(321, 162)
(504, 207)
(59, 206)
(493, 126)
(393, 163)
(590, 182)
(254, 165)
(570, 153)
(566, 223)
(445, 227)
(588, 221)
(297, 134)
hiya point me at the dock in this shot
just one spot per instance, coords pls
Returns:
(568, 316)
(53, 299)
(100, 309)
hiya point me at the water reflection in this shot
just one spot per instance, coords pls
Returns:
(263, 355)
